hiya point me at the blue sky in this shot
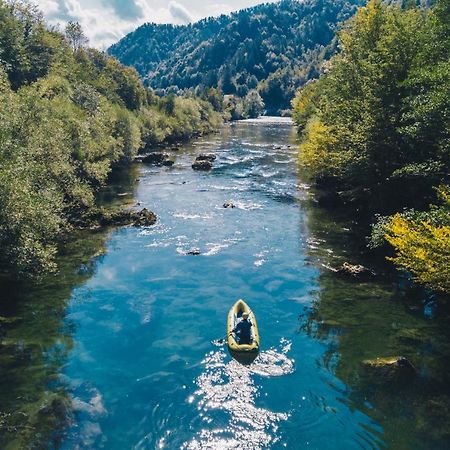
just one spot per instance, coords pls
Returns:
(106, 21)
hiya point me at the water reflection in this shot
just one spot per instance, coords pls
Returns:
(379, 318)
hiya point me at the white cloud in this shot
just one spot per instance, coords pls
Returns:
(179, 12)
(106, 21)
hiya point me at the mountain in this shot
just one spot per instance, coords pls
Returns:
(273, 47)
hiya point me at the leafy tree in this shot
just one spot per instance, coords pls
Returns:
(75, 36)
(423, 247)
(253, 104)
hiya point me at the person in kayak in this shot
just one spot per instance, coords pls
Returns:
(243, 330)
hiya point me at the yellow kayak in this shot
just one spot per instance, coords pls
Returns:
(244, 353)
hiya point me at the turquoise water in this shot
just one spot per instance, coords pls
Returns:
(134, 340)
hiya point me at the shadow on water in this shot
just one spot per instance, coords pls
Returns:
(380, 318)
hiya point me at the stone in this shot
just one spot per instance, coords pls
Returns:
(229, 204)
(392, 369)
(193, 251)
(168, 163)
(202, 165)
(355, 271)
(57, 410)
(143, 218)
(155, 158)
(206, 157)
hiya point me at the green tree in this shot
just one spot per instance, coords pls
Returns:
(75, 36)
(253, 104)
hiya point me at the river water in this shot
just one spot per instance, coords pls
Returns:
(123, 349)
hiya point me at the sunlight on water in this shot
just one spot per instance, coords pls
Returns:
(230, 387)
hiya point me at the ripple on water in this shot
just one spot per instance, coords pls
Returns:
(228, 387)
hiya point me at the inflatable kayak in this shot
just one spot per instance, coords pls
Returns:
(248, 351)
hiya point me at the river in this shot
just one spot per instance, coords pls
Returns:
(123, 349)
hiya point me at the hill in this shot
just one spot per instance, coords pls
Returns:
(273, 47)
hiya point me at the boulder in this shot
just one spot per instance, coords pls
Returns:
(157, 158)
(193, 251)
(175, 148)
(202, 165)
(168, 163)
(356, 271)
(206, 157)
(395, 368)
(229, 204)
(143, 218)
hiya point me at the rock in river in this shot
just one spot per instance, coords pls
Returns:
(155, 158)
(206, 157)
(229, 204)
(202, 165)
(143, 218)
(354, 271)
(396, 368)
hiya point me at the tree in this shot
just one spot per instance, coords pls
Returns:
(253, 104)
(423, 247)
(75, 36)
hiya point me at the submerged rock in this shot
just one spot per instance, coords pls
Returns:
(206, 157)
(395, 368)
(229, 204)
(354, 271)
(202, 165)
(57, 411)
(156, 158)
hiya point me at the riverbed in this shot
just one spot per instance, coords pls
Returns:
(124, 347)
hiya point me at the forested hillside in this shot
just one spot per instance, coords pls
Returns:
(68, 114)
(274, 48)
(376, 131)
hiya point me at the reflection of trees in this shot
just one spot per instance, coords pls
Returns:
(36, 337)
(377, 318)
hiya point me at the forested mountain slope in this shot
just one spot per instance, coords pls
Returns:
(273, 47)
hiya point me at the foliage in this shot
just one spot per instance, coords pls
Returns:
(253, 104)
(75, 35)
(376, 128)
(273, 47)
(384, 103)
(68, 115)
(423, 247)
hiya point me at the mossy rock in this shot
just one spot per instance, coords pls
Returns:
(388, 370)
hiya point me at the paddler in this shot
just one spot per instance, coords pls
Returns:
(243, 330)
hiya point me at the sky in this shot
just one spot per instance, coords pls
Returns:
(106, 21)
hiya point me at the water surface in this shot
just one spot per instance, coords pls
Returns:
(132, 339)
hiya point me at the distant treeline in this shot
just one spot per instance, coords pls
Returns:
(273, 49)
(68, 114)
(376, 130)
